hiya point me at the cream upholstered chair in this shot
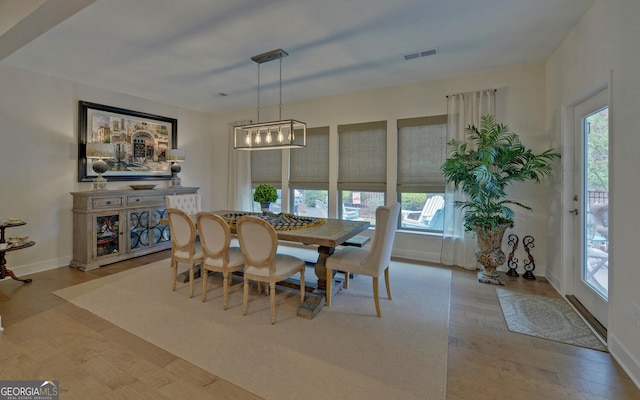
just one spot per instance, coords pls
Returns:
(189, 203)
(215, 237)
(373, 261)
(262, 263)
(183, 247)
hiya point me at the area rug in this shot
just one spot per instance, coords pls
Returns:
(345, 352)
(546, 317)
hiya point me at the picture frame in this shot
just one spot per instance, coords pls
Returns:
(140, 141)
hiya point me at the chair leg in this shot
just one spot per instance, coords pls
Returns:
(329, 279)
(386, 281)
(376, 297)
(272, 301)
(225, 288)
(245, 296)
(204, 284)
(192, 273)
(346, 280)
(174, 265)
(302, 286)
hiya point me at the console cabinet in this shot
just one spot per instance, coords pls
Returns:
(114, 225)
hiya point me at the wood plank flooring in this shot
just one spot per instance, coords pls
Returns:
(47, 338)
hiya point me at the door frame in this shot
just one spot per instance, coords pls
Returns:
(567, 286)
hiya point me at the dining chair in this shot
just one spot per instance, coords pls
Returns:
(262, 263)
(183, 248)
(189, 203)
(372, 261)
(215, 237)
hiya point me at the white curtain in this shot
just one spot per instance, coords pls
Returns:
(464, 109)
(239, 187)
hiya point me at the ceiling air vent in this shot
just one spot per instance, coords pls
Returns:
(424, 53)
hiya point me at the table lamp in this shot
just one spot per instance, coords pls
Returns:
(175, 157)
(98, 152)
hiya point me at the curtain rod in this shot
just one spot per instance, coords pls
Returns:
(457, 94)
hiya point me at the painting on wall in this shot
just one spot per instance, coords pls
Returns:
(135, 142)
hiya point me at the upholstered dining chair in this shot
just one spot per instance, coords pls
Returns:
(373, 261)
(262, 263)
(183, 245)
(215, 237)
(189, 203)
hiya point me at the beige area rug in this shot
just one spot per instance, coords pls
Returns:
(546, 317)
(345, 352)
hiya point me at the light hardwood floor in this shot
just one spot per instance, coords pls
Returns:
(48, 338)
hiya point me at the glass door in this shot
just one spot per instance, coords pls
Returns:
(591, 271)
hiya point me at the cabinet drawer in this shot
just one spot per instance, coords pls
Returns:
(107, 202)
(146, 200)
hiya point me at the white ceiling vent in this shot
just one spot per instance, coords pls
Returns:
(419, 54)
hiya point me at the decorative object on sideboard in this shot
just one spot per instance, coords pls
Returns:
(139, 142)
(175, 157)
(281, 134)
(98, 152)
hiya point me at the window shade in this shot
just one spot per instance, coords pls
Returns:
(310, 165)
(362, 156)
(266, 167)
(421, 151)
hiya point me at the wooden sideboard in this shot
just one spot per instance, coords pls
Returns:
(115, 225)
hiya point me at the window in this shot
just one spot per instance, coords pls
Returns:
(362, 169)
(309, 175)
(266, 167)
(421, 151)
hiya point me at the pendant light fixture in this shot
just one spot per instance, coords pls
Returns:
(281, 134)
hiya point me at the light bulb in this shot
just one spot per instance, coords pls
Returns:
(280, 135)
(258, 138)
(247, 138)
(268, 138)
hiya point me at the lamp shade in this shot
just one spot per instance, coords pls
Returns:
(100, 150)
(175, 155)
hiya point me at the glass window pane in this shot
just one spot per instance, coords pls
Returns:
(360, 206)
(310, 203)
(422, 211)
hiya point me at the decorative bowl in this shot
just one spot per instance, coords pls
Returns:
(142, 187)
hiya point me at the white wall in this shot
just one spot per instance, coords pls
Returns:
(520, 90)
(38, 158)
(603, 46)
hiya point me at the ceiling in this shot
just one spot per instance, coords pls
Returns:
(186, 53)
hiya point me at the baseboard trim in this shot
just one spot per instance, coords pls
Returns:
(41, 266)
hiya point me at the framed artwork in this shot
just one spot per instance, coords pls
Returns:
(136, 143)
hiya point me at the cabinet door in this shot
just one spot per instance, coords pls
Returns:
(138, 229)
(106, 237)
(161, 231)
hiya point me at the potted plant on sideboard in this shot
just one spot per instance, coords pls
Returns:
(265, 194)
(482, 166)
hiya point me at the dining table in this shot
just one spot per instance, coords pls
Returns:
(325, 233)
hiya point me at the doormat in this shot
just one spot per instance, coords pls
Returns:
(549, 318)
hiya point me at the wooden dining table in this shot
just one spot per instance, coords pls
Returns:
(328, 235)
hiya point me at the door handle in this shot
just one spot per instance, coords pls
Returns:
(574, 211)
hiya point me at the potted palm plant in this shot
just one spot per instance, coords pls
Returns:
(482, 167)
(265, 194)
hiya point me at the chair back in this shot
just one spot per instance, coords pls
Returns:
(601, 218)
(379, 255)
(215, 235)
(258, 242)
(183, 230)
(189, 203)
